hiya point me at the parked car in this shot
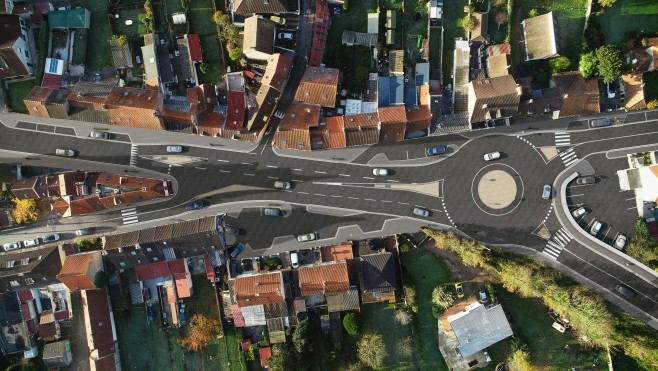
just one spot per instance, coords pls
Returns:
(232, 230)
(83, 231)
(626, 291)
(492, 156)
(279, 184)
(285, 36)
(50, 238)
(611, 91)
(620, 242)
(31, 242)
(421, 212)
(579, 212)
(270, 211)
(436, 151)
(12, 246)
(278, 20)
(600, 123)
(65, 152)
(194, 205)
(294, 260)
(596, 228)
(237, 249)
(307, 237)
(547, 192)
(559, 327)
(174, 149)
(459, 289)
(99, 134)
(380, 172)
(482, 297)
(586, 180)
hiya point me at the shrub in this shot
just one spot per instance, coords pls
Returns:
(559, 64)
(403, 317)
(410, 298)
(100, 279)
(371, 350)
(350, 325)
(652, 104)
(588, 64)
(442, 298)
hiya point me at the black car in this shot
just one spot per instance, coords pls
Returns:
(50, 238)
(586, 180)
(627, 292)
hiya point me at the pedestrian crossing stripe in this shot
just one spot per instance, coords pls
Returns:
(129, 215)
(568, 157)
(562, 139)
(558, 241)
(134, 150)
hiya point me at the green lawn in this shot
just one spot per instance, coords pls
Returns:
(425, 271)
(412, 29)
(119, 26)
(200, 19)
(453, 11)
(380, 317)
(98, 51)
(41, 36)
(651, 86)
(349, 58)
(172, 6)
(80, 47)
(16, 92)
(628, 15)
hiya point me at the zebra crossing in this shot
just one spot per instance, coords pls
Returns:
(556, 243)
(568, 157)
(134, 150)
(279, 114)
(129, 215)
(562, 139)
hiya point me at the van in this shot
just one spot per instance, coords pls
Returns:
(83, 231)
(294, 260)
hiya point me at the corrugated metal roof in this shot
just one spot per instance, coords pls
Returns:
(479, 328)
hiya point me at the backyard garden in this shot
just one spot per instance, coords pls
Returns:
(200, 17)
(16, 92)
(625, 16)
(97, 53)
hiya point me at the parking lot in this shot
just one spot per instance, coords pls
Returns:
(604, 201)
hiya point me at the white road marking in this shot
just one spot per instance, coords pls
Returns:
(319, 194)
(247, 163)
(582, 194)
(631, 208)
(225, 171)
(248, 174)
(298, 181)
(628, 199)
(200, 168)
(367, 177)
(287, 190)
(303, 193)
(344, 174)
(386, 201)
(272, 177)
(297, 169)
(336, 196)
(352, 198)
(403, 203)
(320, 172)
(370, 199)
(393, 181)
(223, 160)
(272, 166)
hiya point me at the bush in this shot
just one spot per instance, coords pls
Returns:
(350, 325)
(403, 317)
(588, 64)
(652, 104)
(371, 350)
(300, 336)
(410, 298)
(442, 298)
(559, 64)
(100, 280)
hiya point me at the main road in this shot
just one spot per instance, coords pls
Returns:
(498, 202)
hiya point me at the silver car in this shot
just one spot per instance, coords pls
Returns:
(270, 211)
(99, 134)
(65, 152)
(620, 242)
(492, 156)
(421, 212)
(282, 185)
(547, 192)
(380, 172)
(307, 237)
(31, 242)
(12, 246)
(174, 149)
(579, 212)
(596, 228)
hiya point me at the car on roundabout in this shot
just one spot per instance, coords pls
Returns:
(492, 156)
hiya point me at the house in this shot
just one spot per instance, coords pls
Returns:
(390, 90)
(121, 53)
(467, 329)
(27, 268)
(187, 54)
(361, 129)
(150, 59)
(16, 56)
(337, 252)
(351, 38)
(579, 96)
(264, 354)
(481, 29)
(324, 279)
(86, 102)
(140, 108)
(14, 334)
(237, 101)
(294, 130)
(52, 74)
(79, 270)
(419, 120)
(393, 123)
(373, 23)
(101, 332)
(377, 277)
(184, 113)
(258, 40)
(334, 133)
(57, 354)
(540, 37)
(182, 278)
(47, 102)
(256, 298)
(319, 85)
(642, 60)
(49, 328)
(277, 71)
(491, 99)
(460, 73)
(77, 18)
(634, 91)
(259, 7)
(320, 31)
(396, 62)
(498, 61)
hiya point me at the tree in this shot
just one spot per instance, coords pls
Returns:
(371, 350)
(25, 211)
(606, 3)
(468, 23)
(350, 325)
(559, 64)
(442, 298)
(301, 335)
(405, 347)
(652, 104)
(533, 13)
(122, 39)
(588, 64)
(502, 18)
(610, 62)
(283, 358)
(100, 279)
(410, 298)
(519, 360)
(202, 330)
(501, 3)
(403, 317)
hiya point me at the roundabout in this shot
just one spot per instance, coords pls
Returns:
(497, 189)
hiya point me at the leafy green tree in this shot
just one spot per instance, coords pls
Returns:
(588, 64)
(350, 324)
(301, 335)
(606, 3)
(468, 23)
(609, 62)
(100, 279)
(533, 13)
(559, 64)
(235, 54)
(442, 298)
(283, 358)
(371, 350)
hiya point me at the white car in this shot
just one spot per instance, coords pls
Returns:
(32, 242)
(65, 152)
(492, 156)
(581, 211)
(12, 246)
(620, 242)
(421, 212)
(285, 36)
(547, 192)
(174, 149)
(380, 172)
(307, 237)
(596, 228)
(294, 260)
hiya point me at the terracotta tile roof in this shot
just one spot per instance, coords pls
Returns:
(337, 252)
(419, 118)
(259, 6)
(99, 322)
(361, 137)
(277, 71)
(258, 37)
(300, 116)
(238, 318)
(325, 279)
(479, 33)
(493, 98)
(236, 111)
(497, 49)
(293, 139)
(194, 46)
(89, 95)
(362, 120)
(211, 123)
(334, 133)
(392, 115)
(319, 85)
(131, 97)
(320, 30)
(264, 354)
(634, 88)
(39, 94)
(580, 96)
(392, 132)
(258, 289)
(152, 270)
(74, 272)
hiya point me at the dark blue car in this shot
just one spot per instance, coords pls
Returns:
(436, 151)
(237, 250)
(195, 205)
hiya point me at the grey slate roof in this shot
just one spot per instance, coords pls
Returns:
(14, 335)
(378, 272)
(359, 38)
(479, 328)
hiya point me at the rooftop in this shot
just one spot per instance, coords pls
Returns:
(540, 37)
(319, 85)
(324, 279)
(378, 272)
(257, 289)
(133, 98)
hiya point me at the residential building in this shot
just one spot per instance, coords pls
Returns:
(246, 7)
(184, 113)
(57, 355)
(258, 43)
(341, 252)
(492, 99)
(328, 285)
(101, 331)
(139, 108)
(79, 270)
(393, 123)
(460, 73)
(14, 334)
(540, 37)
(28, 268)
(319, 85)
(633, 87)
(351, 38)
(467, 329)
(277, 71)
(53, 73)
(390, 90)
(362, 129)
(579, 96)
(237, 102)
(294, 130)
(38, 102)
(49, 328)
(320, 31)
(187, 54)
(377, 277)
(334, 133)
(498, 61)
(76, 18)
(86, 102)
(642, 59)
(16, 56)
(257, 298)
(150, 59)
(419, 119)
(396, 62)
(481, 30)
(121, 53)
